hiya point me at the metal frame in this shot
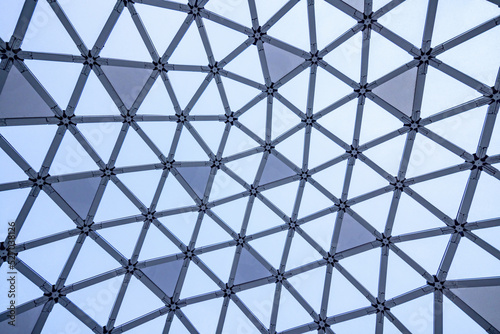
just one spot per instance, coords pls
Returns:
(68, 118)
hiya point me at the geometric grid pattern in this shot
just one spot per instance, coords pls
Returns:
(288, 204)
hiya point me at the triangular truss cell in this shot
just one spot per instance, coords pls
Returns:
(237, 164)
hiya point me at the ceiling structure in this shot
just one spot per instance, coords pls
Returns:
(235, 166)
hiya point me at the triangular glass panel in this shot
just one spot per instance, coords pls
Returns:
(142, 184)
(114, 236)
(413, 217)
(441, 92)
(79, 15)
(249, 268)
(211, 132)
(223, 40)
(185, 85)
(10, 170)
(135, 151)
(259, 301)
(188, 148)
(310, 285)
(247, 64)
(321, 144)
(232, 213)
(224, 186)
(16, 199)
(346, 58)
(19, 99)
(209, 102)
(332, 178)
(271, 247)
(282, 120)
(46, 33)
(485, 300)
(219, 261)
(48, 267)
(114, 204)
(283, 196)
(341, 121)
(466, 264)
(274, 170)
(202, 315)
(197, 282)
(161, 133)
(89, 252)
(122, 37)
(328, 90)
(140, 301)
(313, 201)
(367, 273)
(464, 130)
(483, 204)
(235, 11)
(375, 210)
(293, 147)
(301, 253)
(238, 142)
(196, 177)
(451, 313)
(382, 49)
(332, 23)
(399, 91)
(344, 296)
(236, 320)
(25, 322)
(387, 155)
(408, 14)
(181, 226)
(173, 195)
(9, 17)
(321, 230)
(428, 156)
(255, 118)
(280, 62)
(295, 90)
(55, 222)
(71, 157)
(483, 69)
(161, 24)
(416, 314)
(101, 136)
(238, 94)
(246, 168)
(401, 278)
(95, 100)
(165, 275)
(156, 244)
(157, 102)
(79, 194)
(190, 50)
(471, 14)
(293, 28)
(104, 293)
(127, 81)
(356, 4)
(54, 75)
(176, 327)
(352, 234)
(376, 122)
(262, 218)
(445, 192)
(290, 312)
(364, 179)
(211, 233)
(266, 9)
(427, 252)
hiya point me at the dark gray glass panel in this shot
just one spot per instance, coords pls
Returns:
(279, 61)
(357, 4)
(19, 98)
(274, 170)
(484, 300)
(196, 177)
(24, 322)
(399, 91)
(127, 81)
(165, 275)
(352, 234)
(79, 194)
(249, 268)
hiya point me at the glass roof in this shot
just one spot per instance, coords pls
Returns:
(250, 166)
